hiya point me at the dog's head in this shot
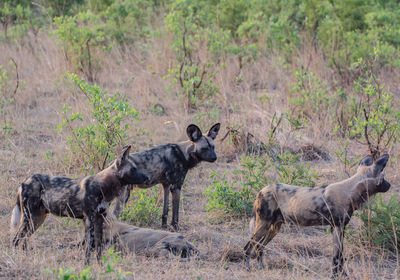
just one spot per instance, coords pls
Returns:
(203, 145)
(127, 170)
(368, 168)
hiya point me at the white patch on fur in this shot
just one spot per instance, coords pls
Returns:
(15, 218)
(103, 206)
(252, 225)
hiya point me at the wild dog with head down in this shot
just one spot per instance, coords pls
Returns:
(128, 239)
(168, 165)
(331, 205)
(86, 198)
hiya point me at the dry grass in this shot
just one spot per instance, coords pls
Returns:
(294, 254)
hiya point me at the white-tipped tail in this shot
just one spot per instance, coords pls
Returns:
(252, 224)
(15, 218)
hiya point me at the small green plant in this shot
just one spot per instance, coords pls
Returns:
(291, 171)
(310, 98)
(342, 153)
(223, 196)
(382, 223)
(111, 260)
(69, 273)
(235, 196)
(94, 135)
(142, 209)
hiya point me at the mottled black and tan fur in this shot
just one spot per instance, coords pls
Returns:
(85, 198)
(168, 165)
(331, 205)
(145, 241)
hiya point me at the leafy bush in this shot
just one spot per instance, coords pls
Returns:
(187, 21)
(310, 98)
(223, 196)
(235, 197)
(94, 135)
(291, 172)
(382, 223)
(83, 36)
(376, 118)
(142, 208)
(128, 20)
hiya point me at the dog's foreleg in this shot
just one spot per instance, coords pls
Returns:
(176, 196)
(164, 218)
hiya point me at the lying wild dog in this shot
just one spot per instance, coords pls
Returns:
(168, 165)
(85, 198)
(127, 239)
(329, 205)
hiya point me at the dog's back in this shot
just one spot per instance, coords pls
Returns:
(148, 241)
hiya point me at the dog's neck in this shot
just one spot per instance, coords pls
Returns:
(352, 181)
(361, 192)
(188, 151)
(109, 182)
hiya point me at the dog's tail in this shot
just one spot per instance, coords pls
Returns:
(252, 223)
(16, 213)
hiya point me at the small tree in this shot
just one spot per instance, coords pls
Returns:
(376, 119)
(94, 135)
(83, 36)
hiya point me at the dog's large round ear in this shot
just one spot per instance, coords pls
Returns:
(366, 161)
(193, 132)
(380, 163)
(213, 132)
(123, 156)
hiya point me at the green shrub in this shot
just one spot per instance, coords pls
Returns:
(375, 117)
(129, 20)
(223, 196)
(95, 134)
(382, 223)
(291, 171)
(235, 196)
(84, 37)
(142, 208)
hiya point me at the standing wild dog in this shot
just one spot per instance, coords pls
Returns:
(86, 198)
(127, 238)
(329, 205)
(168, 165)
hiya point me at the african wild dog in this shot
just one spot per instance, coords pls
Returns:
(168, 165)
(86, 198)
(127, 238)
(329, 205)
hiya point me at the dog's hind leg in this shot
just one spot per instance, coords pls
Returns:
(31, 220)
(338, 260)
(258, 236)
(90, 244)
(259, 249)
(121, 201)
(98, 235)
